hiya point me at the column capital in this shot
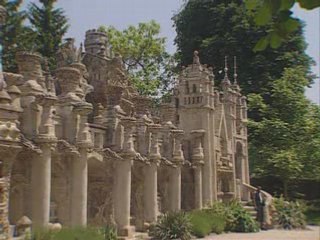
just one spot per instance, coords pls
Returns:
(83, 108)
(155, 130)
(178, 157)
(128, 146)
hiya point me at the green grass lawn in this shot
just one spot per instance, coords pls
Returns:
(313, 217)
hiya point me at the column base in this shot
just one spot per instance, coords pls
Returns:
(126, 233)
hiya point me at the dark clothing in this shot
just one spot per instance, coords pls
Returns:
(259, 203)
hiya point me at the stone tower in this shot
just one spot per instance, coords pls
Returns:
(96, 42)
(196, 115)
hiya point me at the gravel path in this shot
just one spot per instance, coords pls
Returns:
(313, 233)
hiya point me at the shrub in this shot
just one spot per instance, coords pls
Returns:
(172, 225)
(237, 219)
(201, 223)
(74, 233)
(289, 215)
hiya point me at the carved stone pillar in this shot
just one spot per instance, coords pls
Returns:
(79, 184)
(41, 167)
(150, 187)
(175, 178)
(122, 192)
(197, 161)
(3, 14)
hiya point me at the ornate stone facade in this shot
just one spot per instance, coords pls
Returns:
(83, 147)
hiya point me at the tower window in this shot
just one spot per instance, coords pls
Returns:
(187, 87)
(177, 102)
(194, 88)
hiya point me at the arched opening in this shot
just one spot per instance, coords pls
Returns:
(239, 160)
(20, 188)
(194, 88)
(100, 186)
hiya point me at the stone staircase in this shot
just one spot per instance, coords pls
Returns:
(250, 208)
(141, 236)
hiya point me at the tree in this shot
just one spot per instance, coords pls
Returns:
(49, 25)
(287, 138)
(225, 28)
(144, 56)
(14, 35)
(279, 15)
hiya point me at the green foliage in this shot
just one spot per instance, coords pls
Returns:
(71, 234)
(287, 135)
(205, 222)
(172, 225)
(236, 217)
(278, 14)
(143, 53)
(13, 35)
(289, 215)
(107, 233)
(49, 25)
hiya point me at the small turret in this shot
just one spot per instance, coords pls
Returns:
(95, 42)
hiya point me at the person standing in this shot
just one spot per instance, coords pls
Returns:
(259, 203)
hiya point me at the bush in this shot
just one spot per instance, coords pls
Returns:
(76, 233)
(237, 219)
(289, 215)
(205, 222)
(201, 223)
(172, 225)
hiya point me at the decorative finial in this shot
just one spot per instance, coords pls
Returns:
(226, 67)
(235, 75)
(226, 82)
(196, 59)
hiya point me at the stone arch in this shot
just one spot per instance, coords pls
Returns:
(100, 188)
(20, 187)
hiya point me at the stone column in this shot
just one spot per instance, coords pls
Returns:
(41, 167)
(175, 178)
(3, 14)
(79, 184)
(197, 161)
(150, 183)
(122, 188)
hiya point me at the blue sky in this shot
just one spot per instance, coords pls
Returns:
(88, 14)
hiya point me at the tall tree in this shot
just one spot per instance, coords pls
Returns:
(49, 25)
(285, 143)
(144, 56)
(14, 34)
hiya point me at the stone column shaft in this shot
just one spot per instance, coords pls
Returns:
(175, 189)
(122, 194)
(198, 187)
(207, 176)
(79, 183)
(79, 190)
(151, 177)
(151, 193)
(41, 187)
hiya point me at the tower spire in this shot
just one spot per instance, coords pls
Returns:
(235, 75)
(226, 82)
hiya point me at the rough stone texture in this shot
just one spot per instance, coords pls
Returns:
(88, 149)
